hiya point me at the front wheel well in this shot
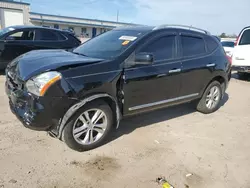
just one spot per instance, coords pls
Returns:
(94, 98)
(113, 105)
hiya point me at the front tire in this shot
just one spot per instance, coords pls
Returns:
(210, 101)
(89, 127)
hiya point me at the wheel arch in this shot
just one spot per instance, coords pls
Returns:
(222, 80)
(111, 101)
(219, 78)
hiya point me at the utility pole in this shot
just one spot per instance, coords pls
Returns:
(117, 16)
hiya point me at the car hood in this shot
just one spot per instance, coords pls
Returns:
(36, 62)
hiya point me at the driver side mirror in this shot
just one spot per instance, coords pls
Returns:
(9, 38)
(144, 59)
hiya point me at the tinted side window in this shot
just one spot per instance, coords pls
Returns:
(192, 46)
(245, 38)
(211, 44)
(161, 48)
(21, 35)
(61, 36)
(46, 35)
(73, 39)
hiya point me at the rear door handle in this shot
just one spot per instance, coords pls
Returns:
(211, 65)
(174, 70)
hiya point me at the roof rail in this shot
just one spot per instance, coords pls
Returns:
(181, 26)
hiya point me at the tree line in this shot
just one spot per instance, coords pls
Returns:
(224, 35)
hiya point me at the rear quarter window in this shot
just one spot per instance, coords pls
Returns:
(212, 44)
(61, 37)
(72, 39)
(245, 38)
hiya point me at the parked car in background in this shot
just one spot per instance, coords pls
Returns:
(80, 96)
(241, 54)
(228, 47)
(17, 40)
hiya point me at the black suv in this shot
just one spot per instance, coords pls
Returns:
(79, 96)
(17, 40)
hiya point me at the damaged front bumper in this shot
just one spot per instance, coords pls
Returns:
(37, 113)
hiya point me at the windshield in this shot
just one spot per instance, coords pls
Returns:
(228, 44)
(110, 44)
(5, 30)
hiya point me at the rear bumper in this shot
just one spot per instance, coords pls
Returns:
(241, 68)
(42, 114)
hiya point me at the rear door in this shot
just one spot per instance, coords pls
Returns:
(148, 86)
(197, 66)
(241, 53)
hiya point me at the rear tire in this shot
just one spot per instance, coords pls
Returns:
(210, 101)
(84, 131)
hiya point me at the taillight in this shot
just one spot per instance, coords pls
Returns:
(229, 59)
(237, 40)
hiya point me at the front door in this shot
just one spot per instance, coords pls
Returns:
(147, 86)
(15, 44)
(241, 53)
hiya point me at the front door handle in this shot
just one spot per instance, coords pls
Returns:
(211, 65)
(174, 70)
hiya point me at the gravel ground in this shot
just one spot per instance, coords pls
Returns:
(171, 142)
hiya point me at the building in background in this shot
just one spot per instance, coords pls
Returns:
(18, 13)
(14, 13)
(81, 26)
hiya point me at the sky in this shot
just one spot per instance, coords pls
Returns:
(216, 16)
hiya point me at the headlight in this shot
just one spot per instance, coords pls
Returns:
(40, 84)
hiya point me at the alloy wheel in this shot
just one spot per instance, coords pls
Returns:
(213, 97)
(90, 126)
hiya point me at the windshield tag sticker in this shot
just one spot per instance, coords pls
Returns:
(125, 42)
(129, 38)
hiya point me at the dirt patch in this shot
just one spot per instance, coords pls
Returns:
(194, 181)
(100, 167)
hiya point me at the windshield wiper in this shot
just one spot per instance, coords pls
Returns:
(79, 53)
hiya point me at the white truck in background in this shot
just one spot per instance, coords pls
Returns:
(241, 52)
